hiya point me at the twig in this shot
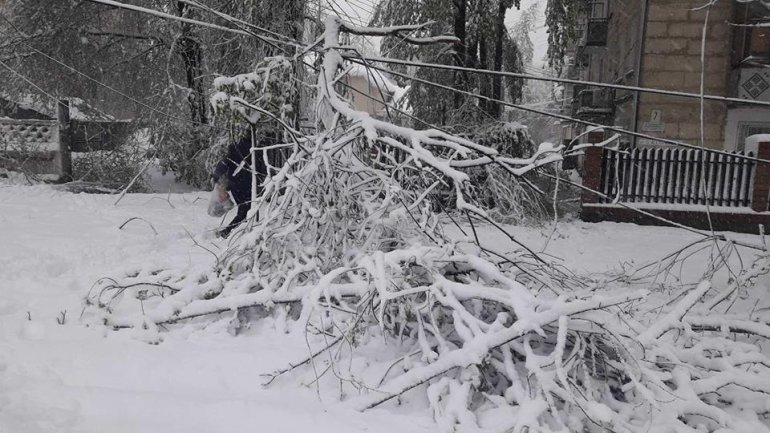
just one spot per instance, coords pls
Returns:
(141, 219)
(216, 257)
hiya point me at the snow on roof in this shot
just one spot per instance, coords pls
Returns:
(378, 79)
(79, 109)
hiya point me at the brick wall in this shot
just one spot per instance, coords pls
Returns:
(671, 61)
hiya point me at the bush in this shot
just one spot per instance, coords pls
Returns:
(112, 169)
(185, 150)
(512, 199)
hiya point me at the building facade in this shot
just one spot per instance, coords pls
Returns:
(660, 44)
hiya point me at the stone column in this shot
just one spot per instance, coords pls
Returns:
(63, 159)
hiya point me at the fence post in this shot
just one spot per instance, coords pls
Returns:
(64, 158)
(761, 189)
(592, 168)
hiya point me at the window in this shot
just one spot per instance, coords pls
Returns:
(598, 9)
(597, 25)
(753, 43)
(747, 129)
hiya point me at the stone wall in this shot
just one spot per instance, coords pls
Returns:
(672, 61)
(30, 146)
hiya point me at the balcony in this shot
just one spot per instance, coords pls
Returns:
(596, 32)
(595, 104)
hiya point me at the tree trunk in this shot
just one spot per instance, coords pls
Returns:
(297, 18)
(483, 79)
(296, 11)
(192, 57)
(495, 108)
(460, 78)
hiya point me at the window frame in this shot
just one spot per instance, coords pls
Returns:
(592, 15)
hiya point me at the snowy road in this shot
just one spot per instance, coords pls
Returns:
(69, 378)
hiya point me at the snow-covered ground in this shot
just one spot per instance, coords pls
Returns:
(71, 378)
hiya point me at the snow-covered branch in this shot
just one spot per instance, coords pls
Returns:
(400, 31)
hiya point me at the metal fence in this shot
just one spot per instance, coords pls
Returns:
(677, 176)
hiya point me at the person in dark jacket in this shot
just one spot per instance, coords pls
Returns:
(234, 173)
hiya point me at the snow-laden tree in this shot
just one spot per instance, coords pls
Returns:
(563, 20)
(522, 30)
(142, 66)
(483, 41)
(496, 341)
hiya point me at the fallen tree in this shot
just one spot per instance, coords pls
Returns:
(498, 341)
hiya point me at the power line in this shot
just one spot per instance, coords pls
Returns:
(520, 107)
(430, 65)
(266, 39)
(31, 83)
(283, 39)
(106, 86)
(384, 103)
(363, 6)
(352, 20)
(504, 103)
(167, 16)
(340, 14)
(439, 66)
(559, 116)
(567, 81)
(547, 114)
(287, 40)
(236, 21)
(583, 187)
